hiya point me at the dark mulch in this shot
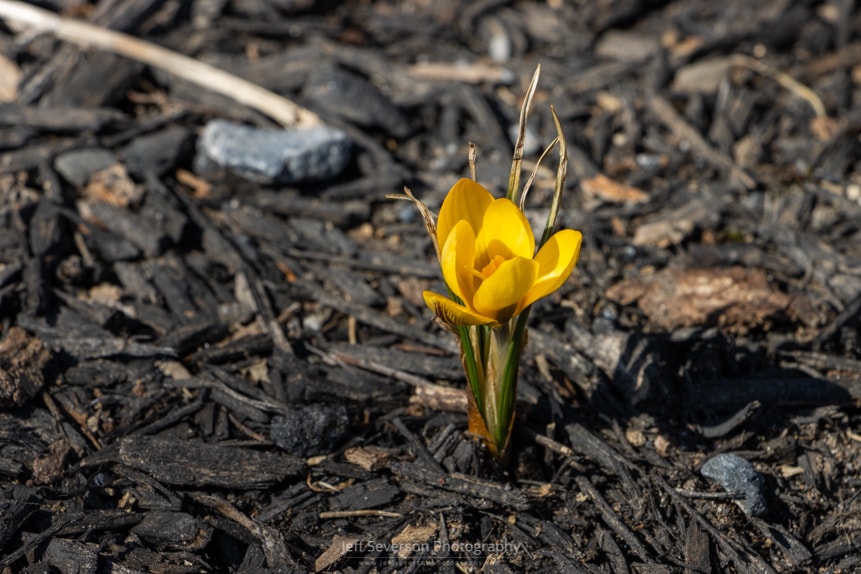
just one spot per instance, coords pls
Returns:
(200, 372)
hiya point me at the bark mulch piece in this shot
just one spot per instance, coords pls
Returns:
(218, 359)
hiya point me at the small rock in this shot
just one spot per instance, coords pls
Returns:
(737, 476)
(499, 46)
(79, 165)
(274, 156)
(310, 430)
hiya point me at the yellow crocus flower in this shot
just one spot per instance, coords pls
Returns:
(488, 260)
(487, 253)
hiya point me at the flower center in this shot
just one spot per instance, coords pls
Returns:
(491, 267)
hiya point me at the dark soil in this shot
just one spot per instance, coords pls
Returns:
(200, 372)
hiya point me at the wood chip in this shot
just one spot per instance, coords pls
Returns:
(606, 189)
(22, 358)
(736, 298)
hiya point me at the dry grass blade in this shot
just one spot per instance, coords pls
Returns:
(473, 155)
(528, 185)
(427, 216)
(561, 173)
(517, 159)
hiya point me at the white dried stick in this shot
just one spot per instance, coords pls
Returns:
(87, 35)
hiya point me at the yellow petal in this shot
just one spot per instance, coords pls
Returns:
(556, 260)
(451, 313)
(498, 295)
(466, 200)
(456, 261)
(505, 231)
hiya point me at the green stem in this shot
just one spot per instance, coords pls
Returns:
(501, 367)
(473, 375)
(510, 373)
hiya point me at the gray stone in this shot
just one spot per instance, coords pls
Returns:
(272, 156)
(737, 476)
(79, 165)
